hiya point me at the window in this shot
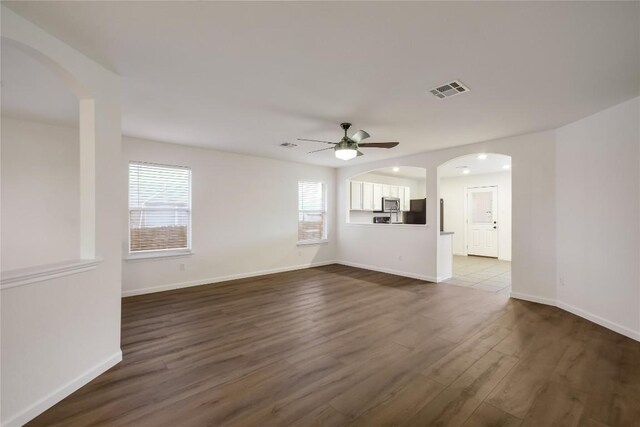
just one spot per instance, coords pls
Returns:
(312, 212)
(159, 207)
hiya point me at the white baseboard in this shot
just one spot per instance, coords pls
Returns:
(60, 393)
(600, 321)
(199, 282)
(533, 298)
(389, 271)
(623, 330)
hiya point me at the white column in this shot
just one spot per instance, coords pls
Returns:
(87, 178)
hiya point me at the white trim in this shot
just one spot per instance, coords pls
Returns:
(163, 253)
(171, 286)
(600, 321)
(25, 276)
(38, 407)
(533, 298)
(623, 330)
(390, 271)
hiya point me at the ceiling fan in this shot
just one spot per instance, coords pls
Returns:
(348, 148)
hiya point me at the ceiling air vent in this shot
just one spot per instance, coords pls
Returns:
(450, 89)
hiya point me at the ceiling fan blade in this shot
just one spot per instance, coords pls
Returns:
(322, 149)
(378, 145)
(316, 140)
(360, 153)
(360, 135)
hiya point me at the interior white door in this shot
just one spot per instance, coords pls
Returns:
(482, 221)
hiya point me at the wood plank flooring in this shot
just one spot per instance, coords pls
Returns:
(340, 346)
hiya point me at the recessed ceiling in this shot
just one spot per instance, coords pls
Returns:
(248, 76)
(475, 165)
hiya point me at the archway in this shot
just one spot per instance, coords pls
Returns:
(474, 192)
(56, 81)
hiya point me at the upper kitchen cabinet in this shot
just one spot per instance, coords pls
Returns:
(367, 196)
(405, 198)
(356, 196)
(377, 197)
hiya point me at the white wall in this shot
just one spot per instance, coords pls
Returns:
(60, 333)
(598, 217)
(414, 250)
(453, 191)
(244, 216)
(40, 194)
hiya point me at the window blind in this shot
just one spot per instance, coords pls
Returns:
(312, 211)
(159, 207)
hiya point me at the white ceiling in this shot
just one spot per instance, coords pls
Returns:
(247, 76)
(409, 172)
(491, 164)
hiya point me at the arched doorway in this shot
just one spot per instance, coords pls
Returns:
(38, 92)
(474, 193)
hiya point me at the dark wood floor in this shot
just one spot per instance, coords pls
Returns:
(335, 345)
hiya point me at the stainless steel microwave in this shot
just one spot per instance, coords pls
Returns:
(390, 204)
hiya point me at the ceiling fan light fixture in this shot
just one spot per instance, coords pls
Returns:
(346, 153)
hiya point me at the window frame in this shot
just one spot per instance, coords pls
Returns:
(159, 253)
(324, 212)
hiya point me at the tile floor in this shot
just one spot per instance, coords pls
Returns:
(487, 274)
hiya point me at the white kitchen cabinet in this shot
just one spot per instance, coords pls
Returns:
(356, 196)
(367, 196)
(377, 197)
(406, 199)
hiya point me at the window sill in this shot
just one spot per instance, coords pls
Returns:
(41, 273)
(313, 242)
(141, 256)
